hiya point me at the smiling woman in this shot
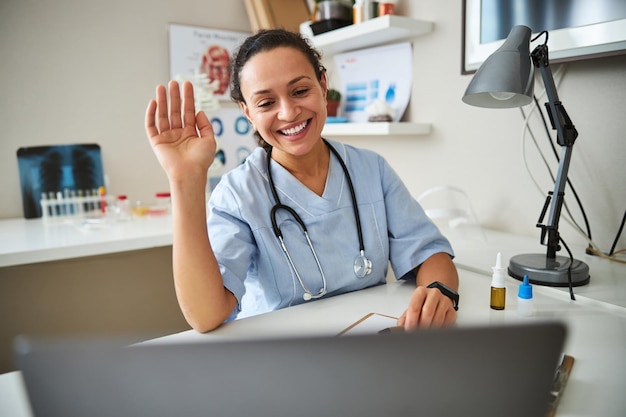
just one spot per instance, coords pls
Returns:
(265, 244)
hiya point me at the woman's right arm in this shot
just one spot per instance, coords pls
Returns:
(186, 156)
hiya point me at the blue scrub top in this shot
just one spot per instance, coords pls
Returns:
(255, 268)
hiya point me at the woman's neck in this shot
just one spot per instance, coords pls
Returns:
(310, 169)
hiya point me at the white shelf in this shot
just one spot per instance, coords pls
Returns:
(376, 129)
(373, 32)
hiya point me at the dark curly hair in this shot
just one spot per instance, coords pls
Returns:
(266, 40)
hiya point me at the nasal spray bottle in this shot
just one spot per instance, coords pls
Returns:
(498, 287)
(525, 298)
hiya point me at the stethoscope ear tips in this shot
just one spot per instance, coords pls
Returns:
(307, 296)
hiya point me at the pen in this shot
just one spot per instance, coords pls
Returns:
(389, 330)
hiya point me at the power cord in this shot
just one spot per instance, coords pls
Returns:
(592, 248)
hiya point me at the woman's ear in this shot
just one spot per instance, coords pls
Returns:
(324, 84)
(246, 112)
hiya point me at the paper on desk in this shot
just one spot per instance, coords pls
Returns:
(371, 323)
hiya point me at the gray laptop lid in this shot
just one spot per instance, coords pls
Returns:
(482, 371)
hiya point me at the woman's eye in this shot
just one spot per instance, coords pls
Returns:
(265, 104)
(301, 92)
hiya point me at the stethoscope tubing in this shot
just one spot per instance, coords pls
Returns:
(279, 206)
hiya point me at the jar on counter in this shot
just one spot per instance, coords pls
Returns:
(163, 203)
(122, 208)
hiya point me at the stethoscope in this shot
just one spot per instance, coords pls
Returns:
(362, 265)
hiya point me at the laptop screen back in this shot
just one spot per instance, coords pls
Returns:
(486, 371)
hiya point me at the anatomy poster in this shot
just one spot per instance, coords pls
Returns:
(201, 50)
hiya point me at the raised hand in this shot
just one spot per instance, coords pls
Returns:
(182, 140)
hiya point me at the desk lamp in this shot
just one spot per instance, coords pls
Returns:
(505, 80)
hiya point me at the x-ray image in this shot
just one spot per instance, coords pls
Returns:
(57, 169)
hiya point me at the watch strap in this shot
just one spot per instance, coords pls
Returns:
(448, 292)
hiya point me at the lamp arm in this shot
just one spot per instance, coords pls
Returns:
(566, 136)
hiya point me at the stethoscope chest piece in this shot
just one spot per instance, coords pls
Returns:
(362, 266)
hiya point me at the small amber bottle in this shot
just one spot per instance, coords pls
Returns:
(498, 286)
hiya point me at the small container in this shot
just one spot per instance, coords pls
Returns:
(163, 203)
(386, 7)
(139, 209)
(498, 286)
(370, 9)
(357, 12)
(525, 303)
(122, 206)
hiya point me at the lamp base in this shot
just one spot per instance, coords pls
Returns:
(550, 272)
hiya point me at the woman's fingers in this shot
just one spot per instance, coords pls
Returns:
(168, 112)
(151, 129)
(162, 119)
(427, 308)
(189, 109)
(204, 125)
(175, 119)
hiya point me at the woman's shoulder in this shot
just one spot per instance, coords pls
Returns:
(364, 163)
(252, 166)
(245, 179)
(353, 154)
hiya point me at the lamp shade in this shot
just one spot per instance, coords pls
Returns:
(506, 78)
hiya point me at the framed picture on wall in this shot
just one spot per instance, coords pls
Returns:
(194, 49)
(578, 29)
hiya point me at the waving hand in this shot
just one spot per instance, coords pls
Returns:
(182, 140)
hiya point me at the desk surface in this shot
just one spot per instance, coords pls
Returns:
(29, 241)
(596, 321)
(476, 250)
(596, 332)
(596, 336)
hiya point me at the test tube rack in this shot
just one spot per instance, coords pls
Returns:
(71, 205)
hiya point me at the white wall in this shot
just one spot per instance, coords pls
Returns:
(83, 71)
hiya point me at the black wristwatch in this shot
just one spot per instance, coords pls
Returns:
(448, 292)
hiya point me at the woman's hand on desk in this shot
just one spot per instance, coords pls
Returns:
(429, 307)
(173, 132)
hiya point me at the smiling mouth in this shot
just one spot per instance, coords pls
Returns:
(296, 129)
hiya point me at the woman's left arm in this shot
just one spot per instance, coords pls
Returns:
(429, 307)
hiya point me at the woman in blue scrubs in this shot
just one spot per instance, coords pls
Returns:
(303, 217)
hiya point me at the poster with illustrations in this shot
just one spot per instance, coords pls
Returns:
(235, 141)
(197, 51)
(201, 50)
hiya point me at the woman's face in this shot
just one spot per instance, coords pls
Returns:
(284, 100)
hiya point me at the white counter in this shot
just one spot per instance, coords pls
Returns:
(25, 241)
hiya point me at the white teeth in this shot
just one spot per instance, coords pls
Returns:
(294, 130)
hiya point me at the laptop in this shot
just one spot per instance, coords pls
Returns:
(476, 371)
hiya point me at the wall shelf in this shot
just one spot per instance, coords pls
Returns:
(376, 129)
(373, 32)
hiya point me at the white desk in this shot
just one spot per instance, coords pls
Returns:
(597, 336)
(476, 251)
(597, 328)
(596, 339)
(29, 241)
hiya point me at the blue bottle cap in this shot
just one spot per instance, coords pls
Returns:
(525, 289)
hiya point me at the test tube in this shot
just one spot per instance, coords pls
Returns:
(53, 205)
(45, 207)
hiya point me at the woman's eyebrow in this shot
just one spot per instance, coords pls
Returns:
(292, 82)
